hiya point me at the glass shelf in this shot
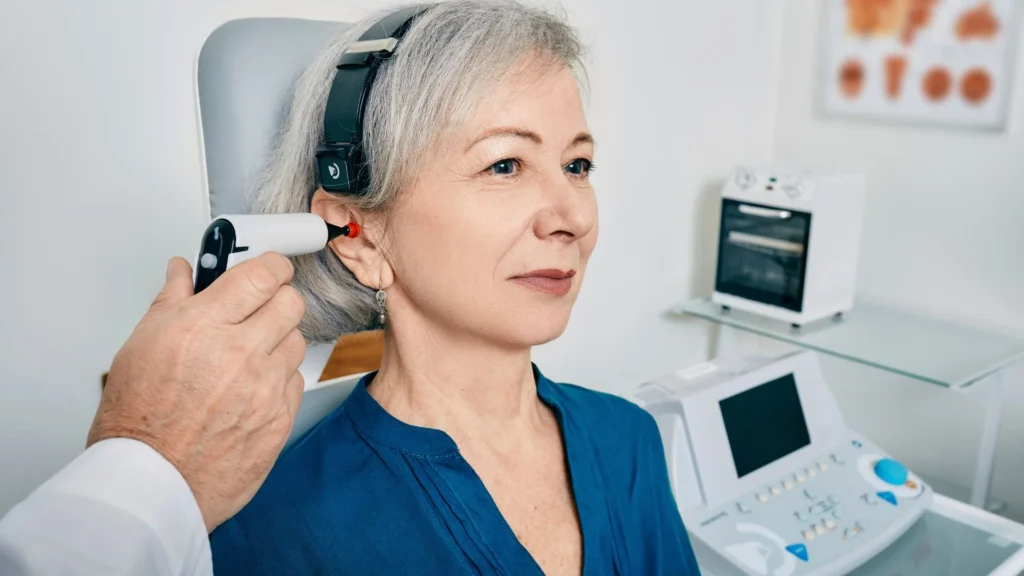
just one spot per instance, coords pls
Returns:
(887, 338)
(941, 545)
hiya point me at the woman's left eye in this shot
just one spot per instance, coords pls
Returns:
(579, 167)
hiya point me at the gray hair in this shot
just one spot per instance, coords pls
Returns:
(452, 54)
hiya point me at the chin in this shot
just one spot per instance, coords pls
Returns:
(537, 326)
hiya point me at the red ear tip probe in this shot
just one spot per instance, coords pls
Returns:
(351, 230)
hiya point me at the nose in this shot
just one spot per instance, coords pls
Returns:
(569, 212)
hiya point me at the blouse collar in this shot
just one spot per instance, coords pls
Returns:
(372, 420)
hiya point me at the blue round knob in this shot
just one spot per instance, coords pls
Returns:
(891, 471)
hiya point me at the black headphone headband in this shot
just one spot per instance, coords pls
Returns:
(341, 164)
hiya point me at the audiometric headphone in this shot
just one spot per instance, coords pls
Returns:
(341, 163)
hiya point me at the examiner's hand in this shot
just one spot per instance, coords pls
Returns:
(211, 380)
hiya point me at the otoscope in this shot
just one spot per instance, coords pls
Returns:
(232, 239)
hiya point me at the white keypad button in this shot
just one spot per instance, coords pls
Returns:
(762, 497)
(822, 466)
(838, 459)
(870, 499)
(743, 508)
(775, 490)
(829, 524)
(810, 495)
(819, 529)
(808, 535)
(837, 514)
(789, 485)
(811, 472)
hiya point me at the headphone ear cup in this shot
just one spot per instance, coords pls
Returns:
(333, 173)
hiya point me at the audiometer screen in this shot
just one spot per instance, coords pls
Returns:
(764, 424)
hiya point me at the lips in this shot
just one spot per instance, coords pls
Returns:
(547, 281)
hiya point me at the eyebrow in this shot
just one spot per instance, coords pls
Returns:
(507, 132)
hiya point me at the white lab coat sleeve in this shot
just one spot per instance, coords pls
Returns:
(119, 509)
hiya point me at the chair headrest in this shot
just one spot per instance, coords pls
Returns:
(247, 71)
(245, 76)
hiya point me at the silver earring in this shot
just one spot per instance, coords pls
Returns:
(381, 295)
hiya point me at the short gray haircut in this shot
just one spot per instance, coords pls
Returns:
(452, 54)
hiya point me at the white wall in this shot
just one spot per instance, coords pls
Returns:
(101, 180)
(943, 234)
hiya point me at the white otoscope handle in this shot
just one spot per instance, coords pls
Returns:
(232, 239)
(287, 234)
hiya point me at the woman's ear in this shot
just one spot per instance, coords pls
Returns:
(362, 254)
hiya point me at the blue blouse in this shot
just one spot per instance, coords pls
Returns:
(364, 493)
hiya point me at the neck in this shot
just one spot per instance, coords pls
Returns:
(464, 385)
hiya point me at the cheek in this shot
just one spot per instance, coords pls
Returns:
(589, 242)
(447, 252)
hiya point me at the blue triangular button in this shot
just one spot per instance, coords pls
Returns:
(798, 550)
(888, 497)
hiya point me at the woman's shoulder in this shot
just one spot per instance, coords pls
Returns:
(599, 410)
(311, 480)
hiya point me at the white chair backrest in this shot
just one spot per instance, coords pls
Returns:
(245, 75)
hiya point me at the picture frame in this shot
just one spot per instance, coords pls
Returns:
(939, 62)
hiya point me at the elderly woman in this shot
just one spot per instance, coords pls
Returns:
(458, 456)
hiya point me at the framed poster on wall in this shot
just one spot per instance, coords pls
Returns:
(946, 62)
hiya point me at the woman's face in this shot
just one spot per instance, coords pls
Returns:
(494, 236)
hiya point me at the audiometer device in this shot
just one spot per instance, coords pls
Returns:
(768, 478)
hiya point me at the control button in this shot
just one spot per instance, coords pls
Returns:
(837, 514)
(829, 524)
(838, 459)
(208, 261)
(743, 508)
(799, 478)
(793, 191)
(869, 499)
(798, 550)
(811, 472)
(850, 533)
(762, 497)
(800, 515)
(788, 485)
(775, 490)
(819, 529)
(822, 466)
(888, 497)
(745, 179)
(808, 535)
(810, 495)
(891, 471)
